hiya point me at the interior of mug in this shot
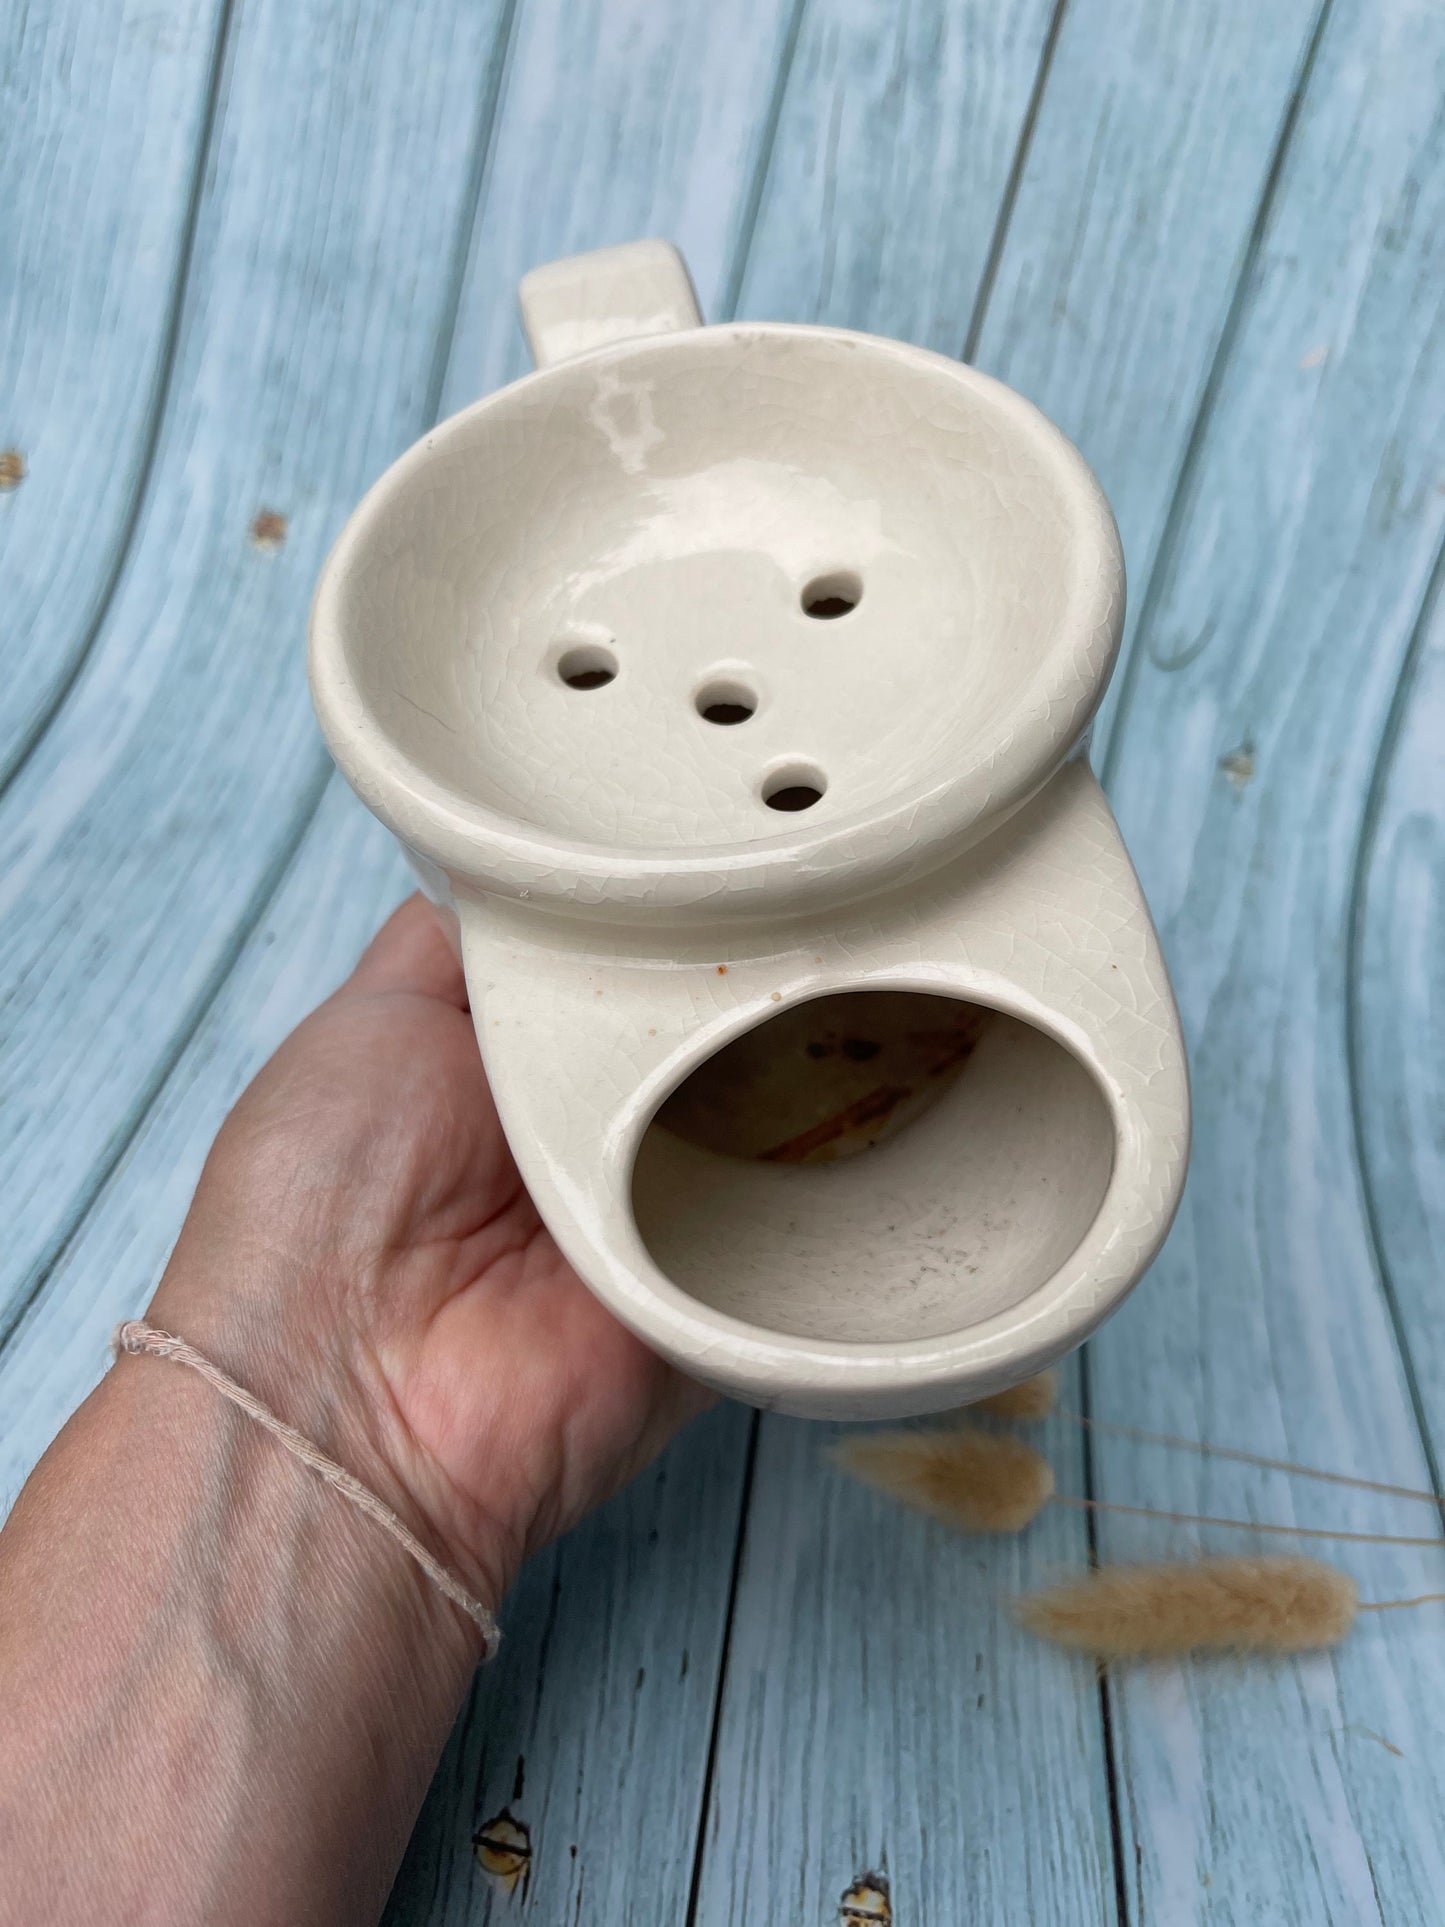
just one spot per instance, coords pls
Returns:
(875, 1167)
(677, 595)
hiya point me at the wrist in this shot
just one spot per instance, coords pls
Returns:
(204, 1646)
(292, 1345)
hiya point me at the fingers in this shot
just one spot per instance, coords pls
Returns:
(412, 952)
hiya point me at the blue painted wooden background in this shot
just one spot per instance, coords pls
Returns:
(249, 249)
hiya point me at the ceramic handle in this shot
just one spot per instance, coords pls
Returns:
(572, 306)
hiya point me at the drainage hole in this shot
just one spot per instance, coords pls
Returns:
(725, 702)
(798, 788)
(588, 666)
(829, 596)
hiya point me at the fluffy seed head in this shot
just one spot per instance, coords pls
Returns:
(981, 1481)
(1252, 1605)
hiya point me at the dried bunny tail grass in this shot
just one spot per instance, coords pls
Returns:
(1209, 1451)
(1250, 1605)
(982, 1481)
(1034, 1398)
(1244, 1525)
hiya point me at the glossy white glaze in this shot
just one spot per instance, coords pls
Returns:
(904, 589)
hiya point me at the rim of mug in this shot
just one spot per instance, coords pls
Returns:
(917, 828)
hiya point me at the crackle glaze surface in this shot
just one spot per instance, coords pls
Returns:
(665, 509)
(907, 590)
(257, 251)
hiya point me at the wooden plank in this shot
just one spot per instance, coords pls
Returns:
(620, 118)
(854, 1621)
(890, 163)
(1133, 218)
(1111, 290)
(591, 1727)
(882, 1714)
(344, 880)
(148, 825)
(1299, 554)
(648, 1582)
(101, 134)
(1397, 1014)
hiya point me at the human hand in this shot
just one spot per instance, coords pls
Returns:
(222, 1692)
(362, 1254)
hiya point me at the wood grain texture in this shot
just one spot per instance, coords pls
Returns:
(1133, 218)
(897, 133)
(1397, 1012)
(101, 137)
(591, 1727)
(147, 828)
(345, 878)
(1309, 524)
(882, 1714)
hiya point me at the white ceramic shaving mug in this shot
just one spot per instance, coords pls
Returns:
(708, 672)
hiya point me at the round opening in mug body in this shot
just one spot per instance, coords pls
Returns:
(879, 1166)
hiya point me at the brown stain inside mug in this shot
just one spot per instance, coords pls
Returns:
(827, 1079)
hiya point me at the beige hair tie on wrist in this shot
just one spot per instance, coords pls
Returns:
(138, 1338)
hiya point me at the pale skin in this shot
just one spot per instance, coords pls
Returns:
(222, 1690)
